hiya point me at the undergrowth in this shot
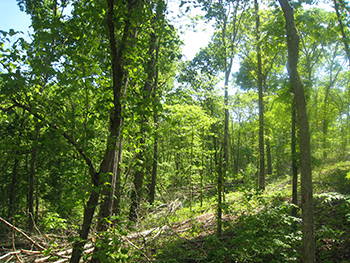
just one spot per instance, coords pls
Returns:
(258, 227)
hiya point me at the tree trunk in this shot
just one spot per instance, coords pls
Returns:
(117, 195)
(340, 21)
(238, 148)
(108, 165)
(294, 162)
(308, 246)
(13, 187)
(89, 211)
(261, 103)
(31, 181)
(268, 157)
(152, 188)
(223, 171)
(120, 81)
(136, 193)
(219, 188)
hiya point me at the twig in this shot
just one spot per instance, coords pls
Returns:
(13, 245)
(13, 239)
(9, 259)
(21, 232)
(9, 254)
(61, 261)
(32, 218)
(30, 251)
(42, 259)
(132, 244)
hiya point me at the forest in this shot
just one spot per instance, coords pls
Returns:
(115, 147)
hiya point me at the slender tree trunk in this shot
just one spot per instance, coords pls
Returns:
(261, 103)
(107, 167)
(219, 189)
(294, 162)
(31, 181)
(202, 169)
(13, 187)
(152, 188)
(88, 215)
(325, 123)
(238, 148)
(190, 172)
(268, 157)
(154, 39)
(341, 25)
(308, 243)
(117, 195)
(223, 171)
(136, 193)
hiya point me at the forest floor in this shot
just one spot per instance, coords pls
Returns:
(257, 227)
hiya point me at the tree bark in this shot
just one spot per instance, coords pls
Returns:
(294, 162)
(155, 94)
(108, 167)
(89, 211)
(31, 181)
(344, 37)
(142, 168)
(268, 156)
(261, 103)
(152, 188)
(308, 245)
(117, 195)
(219, 188)
(13, 186)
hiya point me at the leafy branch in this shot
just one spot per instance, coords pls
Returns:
(54, 126)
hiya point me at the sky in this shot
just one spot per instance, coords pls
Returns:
(12, 18)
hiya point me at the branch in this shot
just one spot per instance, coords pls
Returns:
(7, 109)
(21, 232)
(9, 254)
(64, 134)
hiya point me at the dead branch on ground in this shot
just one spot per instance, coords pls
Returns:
(22, 233)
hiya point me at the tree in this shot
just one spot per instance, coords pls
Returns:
(261, 103)
(342, 11)
(228, 25)
(304, 133)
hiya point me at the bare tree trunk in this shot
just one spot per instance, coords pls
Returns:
(294, 162)
(219, 188)
(155, 94)
(341, 25)
(136, 193)
(31, 181)
(88, 215)
(152, 188)
(117, 195)
(261, 103)
(268, 156)
(13, 187)
(108, 165)
(308, 245)
(238, 148)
